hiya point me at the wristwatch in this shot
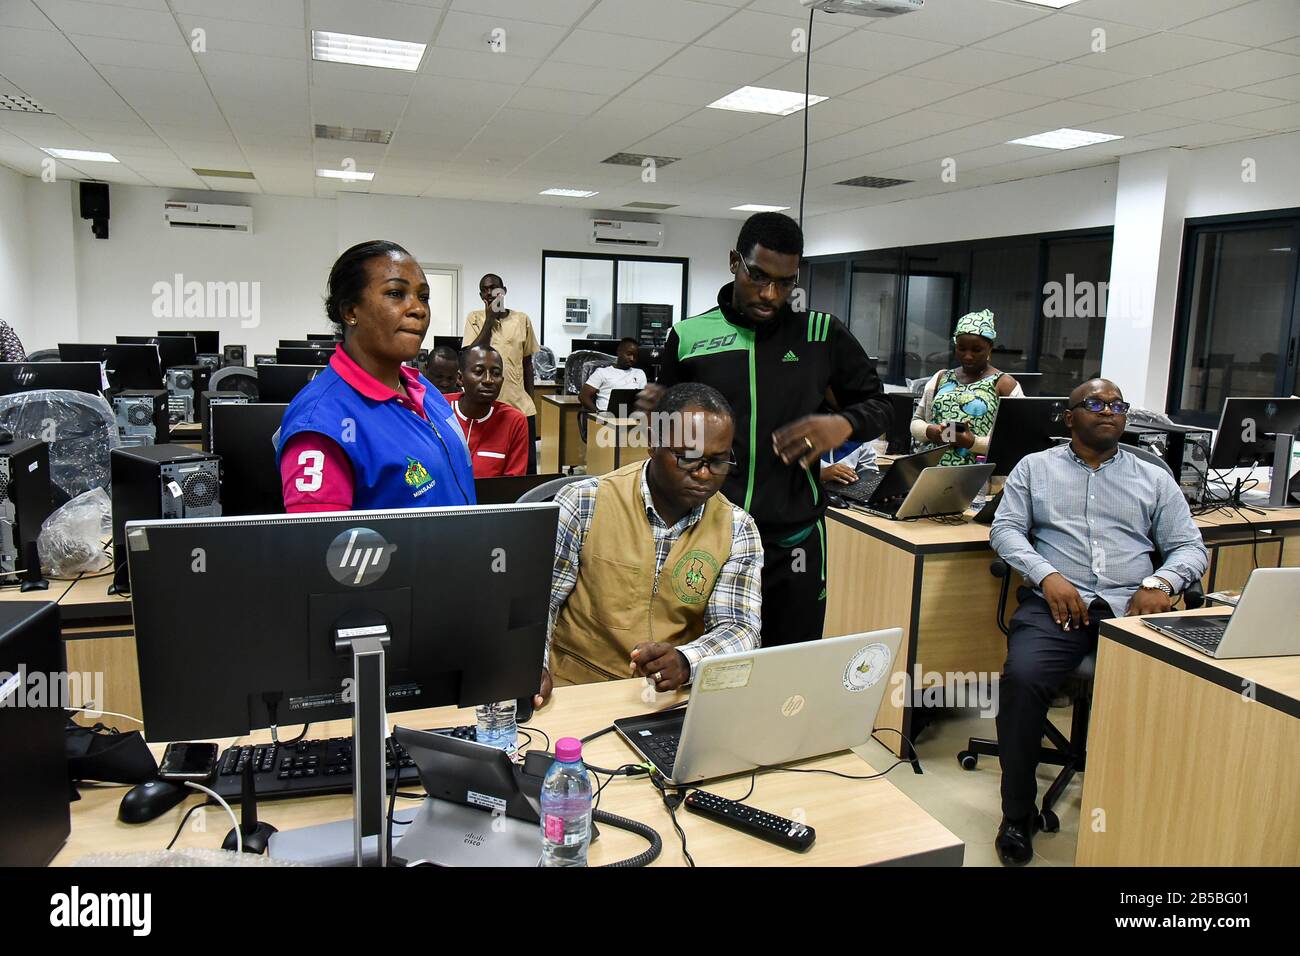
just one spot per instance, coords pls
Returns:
(1154, 583)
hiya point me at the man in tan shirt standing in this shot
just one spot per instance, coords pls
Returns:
(511, 334)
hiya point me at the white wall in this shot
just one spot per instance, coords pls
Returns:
(53, 220)
(1216, 186)
(15, 257)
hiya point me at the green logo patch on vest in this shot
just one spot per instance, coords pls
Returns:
(416, 474)
(693, 577)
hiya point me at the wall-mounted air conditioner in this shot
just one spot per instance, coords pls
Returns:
(202, 215)
(621, 232)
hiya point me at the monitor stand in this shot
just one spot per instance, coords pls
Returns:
(364, 635)
(1280, 479)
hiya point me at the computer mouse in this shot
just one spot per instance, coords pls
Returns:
(148, 801)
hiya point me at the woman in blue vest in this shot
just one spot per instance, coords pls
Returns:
(369, 432)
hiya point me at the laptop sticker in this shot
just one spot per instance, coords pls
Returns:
(867, 667)
(726, 676)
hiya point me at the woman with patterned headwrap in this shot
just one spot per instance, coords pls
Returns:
(959, 404)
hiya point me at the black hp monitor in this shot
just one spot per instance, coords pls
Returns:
(1022, 427)
(127, 366)
(173, 350)
(303, 356)
(1258, 431)
(29, 376)
(457, 598)
(242, 435)
(278, 383)
(205, 343)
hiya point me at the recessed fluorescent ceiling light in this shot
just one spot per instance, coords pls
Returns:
(366, 51)
(1065, 139)
(1054, 4)
(351, 175)
(571, 193)
(223, 173)
(83, 155)
(757, 99)
(758, 207)
(350, 135)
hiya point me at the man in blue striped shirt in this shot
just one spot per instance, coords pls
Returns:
(1084, 524)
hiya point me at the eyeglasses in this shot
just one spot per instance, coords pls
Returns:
(763, 280)
(718, 464)
(1095, 405)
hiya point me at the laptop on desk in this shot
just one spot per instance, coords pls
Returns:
(769, 706)
(622, 402)
(1266, 622)
(893, 482)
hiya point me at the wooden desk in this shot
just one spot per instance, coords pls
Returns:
(858, 822)
(933, 580)
(1184, 768)
(614, 442)
(557, 424)
(545, 388)
(189, 434)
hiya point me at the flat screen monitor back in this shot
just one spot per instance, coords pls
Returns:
(242, 436)
(1245, 425)
(1022, 427)
(173, 350)
(127, 366)
(303, 356)
(463, 592)
(29, 376)
(205, 343)
(278, 383)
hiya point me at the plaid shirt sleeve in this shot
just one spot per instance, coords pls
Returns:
(733, 616)
(577, 502)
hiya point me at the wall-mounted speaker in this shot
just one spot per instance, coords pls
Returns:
(94, 206)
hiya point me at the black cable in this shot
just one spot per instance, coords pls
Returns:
(177, 835)
(646, 857)
(807, 83)
(672, 805)
(538, 730)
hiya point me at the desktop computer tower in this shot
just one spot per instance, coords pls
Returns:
(234, 355)
(184, 385)
(142, 416)
(25, 502)
(34, 792)
(1184, 448)
(160, 481)
(208, 360)
(206, 401)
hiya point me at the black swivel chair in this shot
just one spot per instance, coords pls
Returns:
(581, 363)
(1068, 753)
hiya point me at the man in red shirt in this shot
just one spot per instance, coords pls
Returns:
(497, 433)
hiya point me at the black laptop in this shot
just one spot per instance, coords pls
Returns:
(622, 402)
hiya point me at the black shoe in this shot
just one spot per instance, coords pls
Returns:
(1015, 841)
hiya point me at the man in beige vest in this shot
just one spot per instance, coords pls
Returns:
(654, 569)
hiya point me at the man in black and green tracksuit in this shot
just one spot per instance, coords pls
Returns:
(775, 366)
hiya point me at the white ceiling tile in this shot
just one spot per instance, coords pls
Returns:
(564, 12)
(511, 68)
(613, 52)
(238, 36)
(1063, 80)
(112, 51)
(51, 44)
(1254, 24)
(703, 63)
(1063, 37)
(348, 76)
(557, 101)
(1280, 120)
(1222, 106)
(1202, 134)
(674, 89)
(1062, 113)
(1154, 14)
(986, 64)
(869, 50)
(961, 22)
(522, 38)
(98, 19)
(356, 109)
(1144, 94)
(908, 92)
(1238, 70)
(1291, 46)
(827, 79)
(851, 112)
(1142, 123)
(988, 103)
(455, 97)
(286, 13)
(1287, 88)
(678, 20)
(627, 113)
(1161, 53)
(751, 32)
(583, 79)
(376, 18)
(24, 14)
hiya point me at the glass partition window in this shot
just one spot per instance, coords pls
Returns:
(579, 301)
(1074, 313)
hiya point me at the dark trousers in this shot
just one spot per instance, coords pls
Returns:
(1040, 656)
(532, 444)
(794, 589)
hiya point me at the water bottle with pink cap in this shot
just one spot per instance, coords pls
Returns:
(566, 807)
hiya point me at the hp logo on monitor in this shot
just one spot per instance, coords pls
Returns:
(359, 557)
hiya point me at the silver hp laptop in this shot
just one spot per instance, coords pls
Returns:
(940, 490)
(1266, 622)
(770, 706)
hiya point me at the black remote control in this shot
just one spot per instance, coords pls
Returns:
(765, 826)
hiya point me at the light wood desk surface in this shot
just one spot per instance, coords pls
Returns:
(557, 426)
(858, 822)
(1192, 761)
(610, 442)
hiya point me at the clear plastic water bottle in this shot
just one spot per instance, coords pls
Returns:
(566, 807)
(496, 726)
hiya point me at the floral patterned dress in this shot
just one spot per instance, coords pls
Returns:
(975, 403)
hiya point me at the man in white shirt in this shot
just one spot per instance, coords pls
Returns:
(595, 393)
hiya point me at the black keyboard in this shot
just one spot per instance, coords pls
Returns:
(662, 751)
(1206, 636)
(311, 768)
(861, 490)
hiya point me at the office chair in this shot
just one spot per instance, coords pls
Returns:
(80, 429)
(1068, 753)
(577, 370)
(43, 355)
(544, 364)
(547, 491)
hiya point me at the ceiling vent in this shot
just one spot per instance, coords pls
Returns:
(873, 182)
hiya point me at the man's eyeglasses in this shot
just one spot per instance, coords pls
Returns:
(1095, 405)
(763, 280)
(718, 464)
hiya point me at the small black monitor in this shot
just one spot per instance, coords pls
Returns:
(606, 346)
(899, 434)
(452, 342)
(127, 366)
(29, 376)
(1030, 383)
(205, 343)
(328, 344)
(173, 350)
(465, 626)
(303, 356)
(318, 337)
(242, 436)
(259, 360)
(1022, 427)
(1246, 427)
(506, 489)
(278, 383)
